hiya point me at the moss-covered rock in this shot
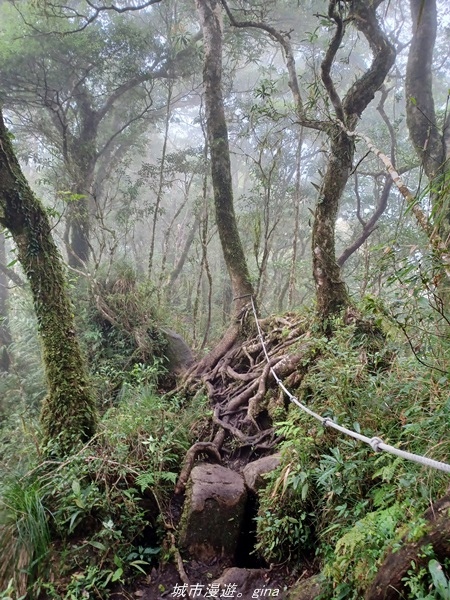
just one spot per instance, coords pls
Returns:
(213, 512)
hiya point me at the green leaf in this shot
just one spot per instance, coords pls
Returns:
(169, 476)
(117, 574)
(305, 489)
(117, 561)
(72, 520)
(136, 564)
(76, 488)
(98, 545)
(440, 581)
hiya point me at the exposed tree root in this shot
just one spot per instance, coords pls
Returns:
(238, 382)
(227, 342)
(179, 561)
(199, 448)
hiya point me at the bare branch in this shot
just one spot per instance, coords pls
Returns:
(283, 40)
(12, 275)
(436, 241)
(62, 11)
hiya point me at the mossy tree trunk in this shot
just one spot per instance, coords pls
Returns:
(5, 335)
(69, 413)
(431, 140)
(331, 292)
(210, 14)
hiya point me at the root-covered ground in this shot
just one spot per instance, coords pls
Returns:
(242, 391)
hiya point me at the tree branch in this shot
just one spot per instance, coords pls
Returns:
(283, 40)
(363, 90)
(327, 63)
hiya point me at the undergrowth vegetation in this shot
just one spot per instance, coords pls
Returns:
(75, 528)
(72, 529)
(120, 333)
(333, 501)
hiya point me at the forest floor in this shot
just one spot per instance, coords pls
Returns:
(244, 400)
(165, 583)
(324, 522)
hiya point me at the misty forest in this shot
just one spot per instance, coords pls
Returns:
(225, 299)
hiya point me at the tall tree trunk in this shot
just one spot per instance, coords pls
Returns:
(297, 202)
(431, 145)
(420, 111)
(330, 289)
(80, 156)
(331, 292)
(210, 14)
(5, 335)
(78, 231)
(160, 193)
(68, 414)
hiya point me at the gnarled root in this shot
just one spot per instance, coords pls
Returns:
(199, 448)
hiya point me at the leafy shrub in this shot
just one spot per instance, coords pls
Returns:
(359, 550)
(98, 517)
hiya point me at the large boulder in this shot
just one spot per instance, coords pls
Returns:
(179, 355)
(250, 583)
(213, 512)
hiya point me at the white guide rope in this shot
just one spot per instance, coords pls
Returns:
(375, 443)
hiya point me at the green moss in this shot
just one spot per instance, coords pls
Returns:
(68, 415)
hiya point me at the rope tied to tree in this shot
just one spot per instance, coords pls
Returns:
(375, 442)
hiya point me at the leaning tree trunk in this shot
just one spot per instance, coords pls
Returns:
(68, 414)
(210, 13)
(5, 334)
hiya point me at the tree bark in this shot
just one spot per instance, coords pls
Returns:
(68, 414)
(432, 146)
(331, 293)
(420, 110)
(78, 234)
(5, 334)
(210, 14)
